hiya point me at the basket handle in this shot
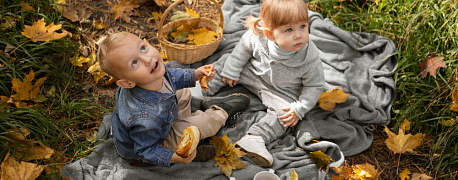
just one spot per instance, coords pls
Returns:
(164, 15)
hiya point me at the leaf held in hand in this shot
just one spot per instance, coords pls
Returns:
(328, 99)
(430, 65)
(40, 32)
(401, 143)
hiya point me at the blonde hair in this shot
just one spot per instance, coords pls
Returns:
(275, 13)
(106, 45)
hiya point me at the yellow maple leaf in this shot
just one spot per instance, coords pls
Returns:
(294, 175)
(98, 25)
(125, 9)
(328, 99)
(80, 60)
(13, 170)
(227, 155)
(157, 15)
(401, 143)
(454, 107)
(202, 36)
(447, 123)
(405, 174)
(24, 89)
(323, 160)
(96, 72)
(40, 32)
(192, 12)
(366, 172)
(405, 125)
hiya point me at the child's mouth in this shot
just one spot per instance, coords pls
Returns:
(155, 65)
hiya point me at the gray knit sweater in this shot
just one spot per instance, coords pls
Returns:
(298, 75)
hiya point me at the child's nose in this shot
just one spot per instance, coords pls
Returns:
(146, 60)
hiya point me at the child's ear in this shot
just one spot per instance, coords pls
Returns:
(268, 34)
(125, 83)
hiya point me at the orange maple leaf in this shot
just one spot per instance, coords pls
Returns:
(125, 9)
(40, 32)
(24, 89)
(226, 155)
(454, 107)
(401, 143)
(328, 99)
(365, 171)
(431, 64)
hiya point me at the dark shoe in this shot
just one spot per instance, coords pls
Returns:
(205, 151)
(232, 103)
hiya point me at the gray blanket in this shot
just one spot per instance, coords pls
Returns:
(362, 63)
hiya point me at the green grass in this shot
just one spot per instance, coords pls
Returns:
(418, 28)
(62, 120)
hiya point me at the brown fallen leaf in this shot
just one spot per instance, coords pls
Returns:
(40, 32)
(75, 11)
(13, 170)
(401, 143)
(344, 171)
(328, 99)
(430, 65)
(418, 176)
(25, 6)
(125, 9)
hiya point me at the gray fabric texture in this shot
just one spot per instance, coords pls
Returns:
(362, 63)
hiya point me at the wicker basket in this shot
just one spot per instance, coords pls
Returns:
(187, 54)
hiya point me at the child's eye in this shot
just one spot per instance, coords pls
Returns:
(134, 63)
(289, 30)
(303, 26)
(143, 48)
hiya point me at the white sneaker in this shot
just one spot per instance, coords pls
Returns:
(256, 149)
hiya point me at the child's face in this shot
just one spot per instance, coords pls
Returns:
(292, 37)
(138, 62)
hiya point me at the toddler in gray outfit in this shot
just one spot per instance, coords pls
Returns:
(276, 61)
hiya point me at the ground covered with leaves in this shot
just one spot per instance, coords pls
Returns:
(54, 95)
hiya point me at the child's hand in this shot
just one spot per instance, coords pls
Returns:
(290, 118)
(176, 158)
(202, 72)
(230, 82)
